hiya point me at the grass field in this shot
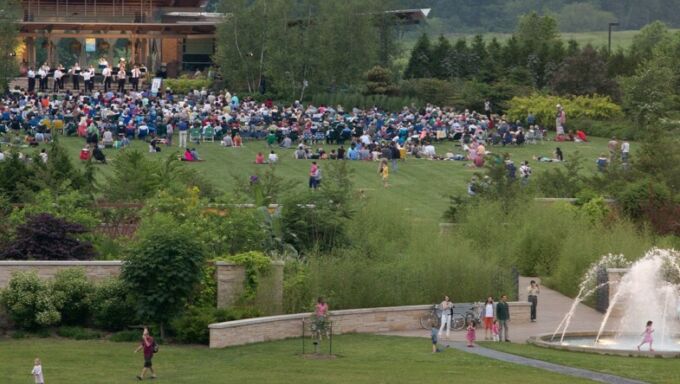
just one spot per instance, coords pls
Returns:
(361, 359)
(661, 371)
(420, 185)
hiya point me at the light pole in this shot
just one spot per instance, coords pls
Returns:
(609, 46)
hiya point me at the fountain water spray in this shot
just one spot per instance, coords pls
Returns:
(587, 287)
(649, 290)
(644, 293)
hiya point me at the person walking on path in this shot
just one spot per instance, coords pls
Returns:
(487, 316)
(532, 293)
(503, 317)
(37, 372)
(148, 345)
(446, 307)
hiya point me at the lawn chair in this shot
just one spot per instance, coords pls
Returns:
(195, 135)
(209, 133)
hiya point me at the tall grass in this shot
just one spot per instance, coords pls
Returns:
(393, 259)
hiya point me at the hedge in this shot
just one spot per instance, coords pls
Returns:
(544, 109)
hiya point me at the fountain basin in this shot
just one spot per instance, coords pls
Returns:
(610, 343)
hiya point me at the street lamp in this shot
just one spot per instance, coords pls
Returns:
(610, 36)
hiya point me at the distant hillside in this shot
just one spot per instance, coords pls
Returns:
(481, 16)
(471, 16)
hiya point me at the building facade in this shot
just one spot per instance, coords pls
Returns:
(175, 34)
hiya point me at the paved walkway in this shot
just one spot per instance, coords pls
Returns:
(561, 369)
(552, 307)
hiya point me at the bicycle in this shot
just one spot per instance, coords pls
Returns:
(460, 319)
(431, 319)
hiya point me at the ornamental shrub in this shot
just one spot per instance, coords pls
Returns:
(126, 336)
(29, 302)
(112, 306)
(45, 237)
(78, 333)
(163, 267)
(543, 108)
(73, 293)
(192, 325)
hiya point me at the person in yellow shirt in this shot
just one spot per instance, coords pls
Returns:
(384, 171)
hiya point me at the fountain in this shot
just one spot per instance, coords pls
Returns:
(649, 290)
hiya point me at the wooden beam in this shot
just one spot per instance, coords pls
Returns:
(119, 35)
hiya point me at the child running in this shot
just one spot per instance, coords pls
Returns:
(384, 171)
(434, 333)
(647, 336)
(471, 336)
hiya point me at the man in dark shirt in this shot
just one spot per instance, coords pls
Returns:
(503, 317)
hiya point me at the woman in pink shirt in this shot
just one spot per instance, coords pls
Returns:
(320, 316)
(321, 309)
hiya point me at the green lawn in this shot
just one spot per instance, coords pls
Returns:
(661, 371)
(362, 359)
(421, 186)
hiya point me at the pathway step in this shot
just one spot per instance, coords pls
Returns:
(551, 367)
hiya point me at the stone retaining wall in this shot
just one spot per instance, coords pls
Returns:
(94, 270)
(230, 279)
(614, 276)
(366, 320)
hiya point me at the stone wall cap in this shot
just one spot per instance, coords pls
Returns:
(64, 263)
(342, 312)
(617, 270)
(230, 263)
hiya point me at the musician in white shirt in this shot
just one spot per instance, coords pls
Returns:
(88, 77)
(121, 81)
(58, 75)
(106, 73)
(31, 79)
(135, 77)
(42, 74)
(75, 76)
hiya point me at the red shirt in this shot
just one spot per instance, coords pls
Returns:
(148, 347)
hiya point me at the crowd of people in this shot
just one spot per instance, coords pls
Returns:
(111, 119)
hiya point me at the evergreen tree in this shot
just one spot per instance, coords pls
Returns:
(583, 74)
(441, 65)
(419, 65)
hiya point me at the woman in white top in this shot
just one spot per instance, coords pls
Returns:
(446, 307)
(487, 315)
